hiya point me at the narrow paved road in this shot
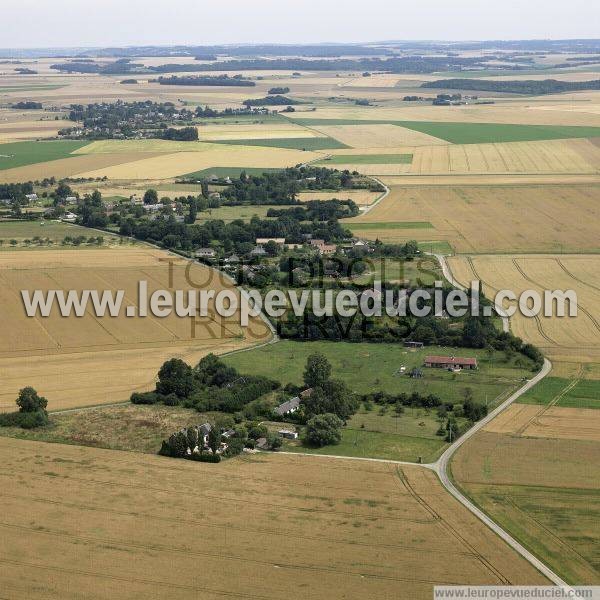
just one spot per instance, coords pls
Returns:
(380, 199)
(441, 468)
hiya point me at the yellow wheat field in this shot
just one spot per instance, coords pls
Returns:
(560, 338)
(552, 157)
(518, 112)
(254, 131)
(358, 529)
(181, 163)
(479, 219)
(69, 167)
(86, 360)
(554, 422)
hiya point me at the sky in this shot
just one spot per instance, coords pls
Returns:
(92, 23)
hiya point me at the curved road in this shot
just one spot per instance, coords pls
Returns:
(448, 275)
(440, 467)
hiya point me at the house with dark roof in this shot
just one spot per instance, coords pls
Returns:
(291, 406)
(288, 407)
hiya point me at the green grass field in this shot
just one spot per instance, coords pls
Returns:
(20, 154)
(395, 270)
(314, 143)
(389, 225)
(232, 172)
(21, 230)
(369, 444)
(559, 525)
(585, 393)
(473, 133)
(229, 120)
(367, 159)
(367, 367)
(436, 247)
(482, 133)
(231, 213)
(52, 230)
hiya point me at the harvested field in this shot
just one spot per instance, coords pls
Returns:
(254, 131)
(22, 129)
(70, 167)
(513, 112)
(553, 157)
(521, 218)
(531, 158)
(142, 146)
(304, 143)
(90, 360)
(554, 422)
(379, 80)
(378, 136)
(567, 338)
(489, 180)
(544, 491)
(181, 163)
(358, 529)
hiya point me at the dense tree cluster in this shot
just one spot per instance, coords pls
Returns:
(282, 187)
(216, 80)
(236, 236)
(210, 386)
(32, 411)
(275, 100)
(528, 87)
(318, 210)
(400, 64)
(15, 191)
(182, 134)
(28, 105)
(92, 212)
(118, 67)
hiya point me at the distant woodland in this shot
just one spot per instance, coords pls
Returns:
(528, 87)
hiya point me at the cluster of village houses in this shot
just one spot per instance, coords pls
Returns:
(259, 251)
